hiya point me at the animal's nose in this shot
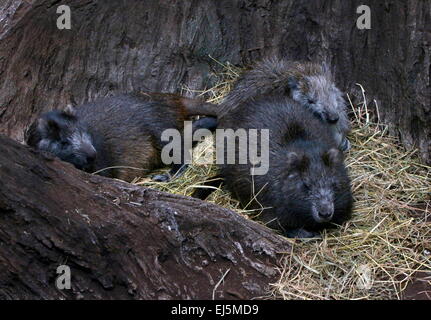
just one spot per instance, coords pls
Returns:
(91, 158)
(90, 153)
(332, 118)
(325, 214)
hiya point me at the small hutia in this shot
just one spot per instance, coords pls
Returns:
(310, 84)
(118, 137)
(306, 187)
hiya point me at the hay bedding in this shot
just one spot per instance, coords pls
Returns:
(377, 253)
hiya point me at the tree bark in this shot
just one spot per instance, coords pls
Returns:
(117, 46)
(121, 241)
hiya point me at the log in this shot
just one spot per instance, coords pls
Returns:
(121, 241)
(117, 46)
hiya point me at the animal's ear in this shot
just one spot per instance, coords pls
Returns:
(49, 127)
(70, 111)
(332, 157)
(292, 83)
(296, 161)
(32, 135)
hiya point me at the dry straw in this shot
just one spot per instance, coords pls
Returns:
(373, 256)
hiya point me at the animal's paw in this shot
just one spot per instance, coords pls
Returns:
(301, 233)
(345, 145)
(166, 177)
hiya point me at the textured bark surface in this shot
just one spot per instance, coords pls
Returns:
(165, 45)
(121, 241)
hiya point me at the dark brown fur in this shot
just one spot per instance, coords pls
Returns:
(308, 83)
(307, 186)
(123, 132)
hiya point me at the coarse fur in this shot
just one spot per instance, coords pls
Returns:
(122, 131)
(310, 84)
(307, 187)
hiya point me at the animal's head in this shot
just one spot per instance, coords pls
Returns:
(317, 91)
(319, 190)
(60, 133)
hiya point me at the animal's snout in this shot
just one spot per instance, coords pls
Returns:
(91, 158)
(326, 214)
(90, 153)
(332, 117)
(324, 211)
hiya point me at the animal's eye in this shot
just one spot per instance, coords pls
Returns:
(311, 101)
(64, 143)
(306, 186)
